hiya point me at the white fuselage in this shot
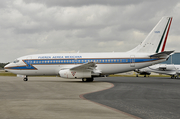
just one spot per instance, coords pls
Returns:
(107, 63)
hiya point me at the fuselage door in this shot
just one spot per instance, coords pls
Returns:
(132, 60)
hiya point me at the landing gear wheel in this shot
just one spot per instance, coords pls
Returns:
(144, 75)
(84, 80)
(173, 76)
(87, 79)
(25, 79)
(91, 79)
(136, 75)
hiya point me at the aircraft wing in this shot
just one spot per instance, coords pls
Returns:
(86, 66)
(162, 54)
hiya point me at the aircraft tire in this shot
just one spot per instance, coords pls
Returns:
(87, 79)
(25, 79)
(84, 80)
(90, 79)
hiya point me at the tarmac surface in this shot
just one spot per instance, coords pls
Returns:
(53, 98)
(147, 98)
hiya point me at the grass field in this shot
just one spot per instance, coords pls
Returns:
(139, 75)
(3, 73)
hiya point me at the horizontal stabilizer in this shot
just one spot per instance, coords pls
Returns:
(162, 54)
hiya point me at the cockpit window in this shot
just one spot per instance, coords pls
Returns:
(15, 61)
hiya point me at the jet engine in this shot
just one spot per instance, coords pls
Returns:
(67, 73)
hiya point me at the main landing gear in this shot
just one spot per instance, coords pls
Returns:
(25, 78)
(87, 79)
(174, 77)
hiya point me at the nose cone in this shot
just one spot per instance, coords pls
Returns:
(7, 67)
(12, 67)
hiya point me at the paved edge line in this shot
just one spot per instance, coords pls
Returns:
(112, 85)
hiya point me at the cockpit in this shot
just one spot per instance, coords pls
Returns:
(16, 61)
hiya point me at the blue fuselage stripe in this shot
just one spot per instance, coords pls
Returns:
(80, 61)
(32, 62)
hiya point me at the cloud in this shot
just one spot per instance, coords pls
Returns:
(46, 26)
(77, 3)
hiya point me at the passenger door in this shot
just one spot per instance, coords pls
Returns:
(132, 61)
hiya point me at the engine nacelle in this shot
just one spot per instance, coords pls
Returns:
(170, 67)
(166, 67)
(74, 74)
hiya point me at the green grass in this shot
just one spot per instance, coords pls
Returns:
(3, 73)
(138, 75)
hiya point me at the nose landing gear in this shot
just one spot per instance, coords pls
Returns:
(25, 78)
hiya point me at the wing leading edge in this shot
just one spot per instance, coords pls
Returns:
(86, 66)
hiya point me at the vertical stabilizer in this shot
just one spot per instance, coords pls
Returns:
(156, 40)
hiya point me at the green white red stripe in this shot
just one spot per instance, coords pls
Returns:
(166, 30)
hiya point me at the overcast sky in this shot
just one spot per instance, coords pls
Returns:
(56, 26)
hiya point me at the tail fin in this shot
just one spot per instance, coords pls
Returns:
(156, 40)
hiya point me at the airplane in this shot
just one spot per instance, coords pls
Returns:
(168, 69)
(86, 66)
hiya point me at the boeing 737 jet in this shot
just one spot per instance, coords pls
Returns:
(168, 69)
(86, 66)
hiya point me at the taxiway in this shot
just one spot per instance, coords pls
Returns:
(147, 98)
(52, 98)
